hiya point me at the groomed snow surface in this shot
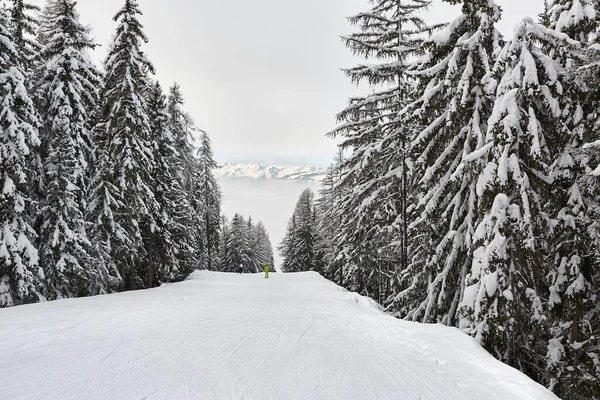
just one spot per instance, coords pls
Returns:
(229, 336)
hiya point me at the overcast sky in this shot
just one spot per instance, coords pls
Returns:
(263, 76)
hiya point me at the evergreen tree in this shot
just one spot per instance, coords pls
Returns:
(183, 128)
(195, 176)
(576, 18)
(329, 219)
(21, 277)
(587, 79)
(171, 243)
(69, 89)
(450, 115)
(507, 282)
(263, 250)
(238, 247)
(208, 188)
(572, 362)
(250, 254)
(544, 16)
(298, 245)
(378, 168)
(123, 198)
(24, 26)
(223, 244)
(44, 25)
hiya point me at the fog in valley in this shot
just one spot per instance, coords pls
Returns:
(271, 201)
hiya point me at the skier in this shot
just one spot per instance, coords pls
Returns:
(266, 269)
(241, 268)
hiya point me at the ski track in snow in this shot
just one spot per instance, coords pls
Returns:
(229, 336)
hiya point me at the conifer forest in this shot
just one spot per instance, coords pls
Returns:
(465, 191)
(467, 187)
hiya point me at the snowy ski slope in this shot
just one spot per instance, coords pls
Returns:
(219, 336)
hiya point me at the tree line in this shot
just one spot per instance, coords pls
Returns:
(102, 189)
(466, 191)
(245, 246)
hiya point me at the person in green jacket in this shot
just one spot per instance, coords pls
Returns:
(266, 269)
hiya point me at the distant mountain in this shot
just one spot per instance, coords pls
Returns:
(258, 171)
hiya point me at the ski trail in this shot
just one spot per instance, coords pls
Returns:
(230, 336)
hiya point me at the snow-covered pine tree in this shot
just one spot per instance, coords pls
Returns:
(24, 27)
(576, 18)
(190, 173)
(450, 114)
(183, 128)
(588, 80)
(377, 170)
(286, 248)
(21, 277)
(503, 302)
(573, 355)
(298, 246)
(544, 16)
(329, 220)
(207, 187)
(223, 239)
(250, 254)
(238, 247)
(122, 196)
(170, 244)
(327, 225)
(263, 250)
(44, 14)
(68, 93)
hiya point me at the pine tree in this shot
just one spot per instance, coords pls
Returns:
(193, 175)
(21, 277)
(298, 245)
(507, 283)
(171, 243)
(329, 219)
(263, 250)
(223, 244)
(123, 198)
(378, 168)
(68, 85)
(572, 361)
(182, 127)
(250, 254)
(544, 16)
(208, 188)
(587, 80)
(24, 27)
(238, 247)
(450, 116)
(576, 18)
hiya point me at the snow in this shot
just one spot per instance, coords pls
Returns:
(229, 336)
(477, 154)
(443, 36)
(261, 171)
(577, 13)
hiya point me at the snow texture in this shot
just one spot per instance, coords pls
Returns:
(221, 336)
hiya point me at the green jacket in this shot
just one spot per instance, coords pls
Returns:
(266, 268)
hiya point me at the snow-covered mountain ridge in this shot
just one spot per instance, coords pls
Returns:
(259, 171)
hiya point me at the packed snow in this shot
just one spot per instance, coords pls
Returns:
(229, 336)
